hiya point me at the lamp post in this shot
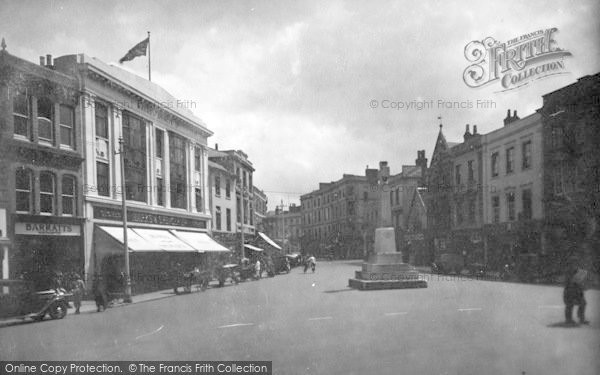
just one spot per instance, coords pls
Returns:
(127, 297)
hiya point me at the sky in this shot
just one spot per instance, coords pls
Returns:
(306, 88)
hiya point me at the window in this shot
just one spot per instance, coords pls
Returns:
(22, 114)
(217, 185)
(134, 140)
(457, 175)
(67, 124)
(245, 176)
(218, 218)
(160, 192)
(47, 189)
(102, 179)
(459, 212)
(510, 205)
(228, 188)
(471, 172)
(178, 172)
(199, 202)
(101, 117)
(557, 136)
(23, 187)
(510, 160)
(251, 213)
(527, 209)
(245, 203)
(365, 196)
(69, 188)
(238, 210)
(558, 179)
(197, 159)
(45, 126)
(495, 157)
(496, 209)
(526, 155)
(471, 210)
(159, 138)
(228, 219)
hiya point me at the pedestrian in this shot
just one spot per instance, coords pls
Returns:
(78, 289)
(258, 270)
(99, 289)
(573, 292)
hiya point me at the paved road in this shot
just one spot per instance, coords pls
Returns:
(313, 324)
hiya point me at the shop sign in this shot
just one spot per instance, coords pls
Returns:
(47, 229)
(134, 216)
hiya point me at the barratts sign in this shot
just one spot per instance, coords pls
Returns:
(515, 63)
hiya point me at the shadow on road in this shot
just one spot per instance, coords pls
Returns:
(563, 325)
(338, 290)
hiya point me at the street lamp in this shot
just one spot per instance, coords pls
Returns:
(127, 297)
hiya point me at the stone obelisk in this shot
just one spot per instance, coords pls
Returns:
(384, 268)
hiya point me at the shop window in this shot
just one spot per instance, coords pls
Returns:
(228, 219)
(44, 117)
(23, 187)
(67, 126)
(510, 160)
(178, 171)
(22, 114)
(526, 155)
(510, 205)
(495, 161)
(47, 192)
(102, 179)
(527, 208)
(496, 209)
(134, 140)
(69, 188)
(218, 218)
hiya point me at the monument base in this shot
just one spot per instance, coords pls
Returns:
(385, 270)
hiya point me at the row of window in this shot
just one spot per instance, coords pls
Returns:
(510, 199)
(217, 179)
(48, 191)
(217, 218)
(510, 159)
(470, 173)
(25, 122)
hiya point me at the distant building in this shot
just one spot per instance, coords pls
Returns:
(285, 227)
(260, 208)
(571, 162)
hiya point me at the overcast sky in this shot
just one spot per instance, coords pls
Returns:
(291, 82)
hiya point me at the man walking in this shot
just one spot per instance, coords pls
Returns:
(573, 293)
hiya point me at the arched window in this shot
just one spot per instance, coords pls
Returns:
(47, 191)
(69, 197)
(23, 187)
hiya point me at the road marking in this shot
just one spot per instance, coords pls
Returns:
(396, 313)
(550, 307)
(151, 333)
(470, 309)
(322, 318)
(236, 325)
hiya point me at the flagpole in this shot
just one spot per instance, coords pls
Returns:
(149, 59)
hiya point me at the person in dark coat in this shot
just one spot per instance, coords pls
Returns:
(99, 290)
(573, 293)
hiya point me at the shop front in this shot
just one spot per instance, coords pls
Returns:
(46, 247)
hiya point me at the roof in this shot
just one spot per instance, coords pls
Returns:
(212, 164)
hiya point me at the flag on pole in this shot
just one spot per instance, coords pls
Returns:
(138, 50)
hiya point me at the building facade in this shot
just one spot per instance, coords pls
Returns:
(232, 197)
(285, 227)
(513, 210)
(260, 208)
(41, 215)
(131, 123)
(571, 162)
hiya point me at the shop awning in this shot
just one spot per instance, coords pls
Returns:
(253, 247)
(134, 241)
(269, 241)
(163, 240)
(199, 241)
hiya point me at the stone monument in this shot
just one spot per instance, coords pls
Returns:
(384, 268)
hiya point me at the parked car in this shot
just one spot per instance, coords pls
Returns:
(449, 263)
(19, 299)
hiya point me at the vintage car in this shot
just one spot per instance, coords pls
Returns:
(19, 299)
(227, 272)
(183, 281)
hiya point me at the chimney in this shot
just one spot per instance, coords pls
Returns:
(217, 146)
(42, 61)
(515, 117)
(421, 162)
(508, 119)
(49, 61)
(467, 134)
(475, 130)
